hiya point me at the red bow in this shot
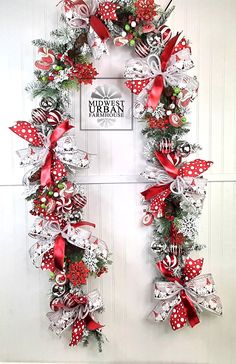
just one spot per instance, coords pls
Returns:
(53, 168)
(106, 10)
(185, 309)
(54, 258)
(159, 193)
(158, 85)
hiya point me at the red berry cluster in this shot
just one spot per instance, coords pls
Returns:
(145, 10)
(83, 73)
(158, 123)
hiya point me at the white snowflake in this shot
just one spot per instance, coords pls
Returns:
(159, 112)
(188, 227)
(90, 260)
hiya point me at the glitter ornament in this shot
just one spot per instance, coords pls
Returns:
(183, 149)
(154, 43)
(39, 116)
(48, 103)
(79, 201)
(58, 291)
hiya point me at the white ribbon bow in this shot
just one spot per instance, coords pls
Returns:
(201, 290)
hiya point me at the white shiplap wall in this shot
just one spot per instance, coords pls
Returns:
(116, 208)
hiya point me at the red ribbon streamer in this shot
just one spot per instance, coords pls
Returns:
(158, 85)
(191, 310)
(60, 243)
(59, 252)
(45, 178)
(169, 168)
(99, 28)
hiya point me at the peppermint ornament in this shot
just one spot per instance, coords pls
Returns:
(54, 117)
(170, 262)
(39, 116)
(175, 120)
(148, 219)
(64, 205)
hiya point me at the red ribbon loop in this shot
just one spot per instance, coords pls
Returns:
(46, 178)
(99, 28)
(191, 310)
(154, 191)
(158, 85)
(59, 252)
(167, 164)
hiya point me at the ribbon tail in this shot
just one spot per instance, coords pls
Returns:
(154, 191)
(83, 223)
(45, 177)
(99, 28)
(77, 332)
(91, 324)
(59, 252)
(156, 91)
(191, 310)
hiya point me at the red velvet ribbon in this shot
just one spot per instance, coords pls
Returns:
(186, 300)
(60, 243)
(99, 28)
(158, 85)
(45, 178)
(169, 168)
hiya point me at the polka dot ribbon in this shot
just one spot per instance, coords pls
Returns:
(52, 169)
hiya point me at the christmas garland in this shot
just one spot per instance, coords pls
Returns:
(157, 75)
